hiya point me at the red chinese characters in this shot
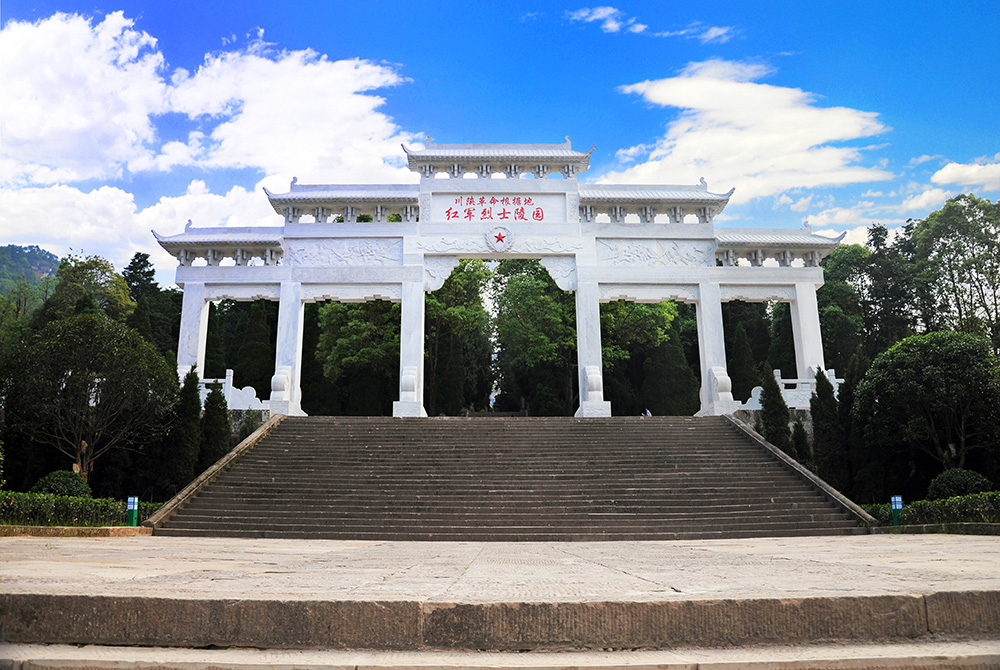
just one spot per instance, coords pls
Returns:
(482, 208)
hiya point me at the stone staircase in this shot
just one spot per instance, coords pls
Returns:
(509, 479)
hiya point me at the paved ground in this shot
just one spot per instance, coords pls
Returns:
(479, 572)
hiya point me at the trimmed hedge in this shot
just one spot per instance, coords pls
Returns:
(63, 483)
(957, 482)
(45, 509)
(978, 508)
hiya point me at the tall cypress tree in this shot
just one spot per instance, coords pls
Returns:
(742, 367)
(774, 417)
(180, 457)
(829, 445)
(216, 431)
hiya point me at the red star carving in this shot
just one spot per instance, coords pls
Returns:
(500, 237)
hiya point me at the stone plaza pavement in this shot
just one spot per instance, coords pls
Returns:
(483, 572)
(478, 573)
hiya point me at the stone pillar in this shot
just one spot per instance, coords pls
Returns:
(286, 390)
(806, 332)
(588, 351)
(411, 352)
(193, 331)
(716, 387)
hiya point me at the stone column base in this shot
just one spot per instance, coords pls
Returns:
(719, 408)
(285, 407)
(408, 408)
(594, 408)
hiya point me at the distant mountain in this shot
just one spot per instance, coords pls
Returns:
(32, 263)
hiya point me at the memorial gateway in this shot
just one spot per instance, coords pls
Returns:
(645, 243)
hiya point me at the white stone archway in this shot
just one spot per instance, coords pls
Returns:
(585, 236)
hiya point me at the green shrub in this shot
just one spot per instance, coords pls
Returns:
(45, 509)
(978, 508)
(957, 482)
(63, 483)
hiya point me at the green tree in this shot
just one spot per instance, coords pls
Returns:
(90, 276)
(800, 439)
(774, 417)
(888, 295)
(359, 351)
(669, 387)
(94, 386)
(536, 339)
(458, 371)
(829, 445)
(839, 299)
(179, 455)
(958, 255)
(937, 393)
(216, 431)
(140, 277)
(781, 353)
(741, 366)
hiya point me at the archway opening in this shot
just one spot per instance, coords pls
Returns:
(645, 358)
(536, 345)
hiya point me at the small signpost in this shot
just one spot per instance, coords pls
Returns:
(897, 507)
(132, 511)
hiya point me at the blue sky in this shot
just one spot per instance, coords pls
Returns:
(118, 118)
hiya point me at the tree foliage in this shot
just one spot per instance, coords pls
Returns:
(829, 444)
(774, 417)
(90, 385)
(937, 393)
(89, 278)
(216, 430)
(958, 254)
(359, 351)
(458, 373)
(178, 455)
(536, 339)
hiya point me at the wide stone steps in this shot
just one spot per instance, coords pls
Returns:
(519, 479)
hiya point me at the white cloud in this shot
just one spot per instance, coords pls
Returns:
(982, 174)
(77, 97)
(106, 221)
(704, 34)
(61, 218)
(920, 160)
(334, 133)
(836, 216)
(761, 138)
(614, 20)
(931, 198)
(630, 154)
(81, 99)
(802, 204)
(608, 16)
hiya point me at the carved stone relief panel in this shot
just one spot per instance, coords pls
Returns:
(562, 270)
(437, 269)
(757, 293)
(350, 292)
(630, 252)
(345, 251)
(648, 292)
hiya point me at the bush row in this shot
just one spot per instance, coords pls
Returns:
(45, 509)
(978, 508)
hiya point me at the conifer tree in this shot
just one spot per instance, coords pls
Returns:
(800, 440)
(180, 457)
(742, 367)
(829, 445)
(669, 387)
(216, 431)
(774, 417)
